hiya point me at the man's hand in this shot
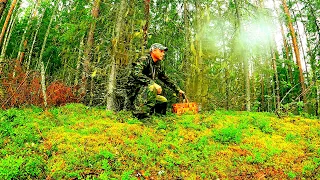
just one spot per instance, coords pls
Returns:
(181, 92)
(158, 88)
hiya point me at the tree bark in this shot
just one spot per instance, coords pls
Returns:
(34, 40)
(3, 4)
(187, 54)
(43, 84)
(285, 44)
(318, 98)
(226, 76)
(300, 45)
(113, 72)
(43, 78)
(23, 43)
(262, 94)
(4, 28)
(88, 49)
(245, 61)
(146, 26)
(7, 39)
(274, 65)
(296, 51)
(76, 80)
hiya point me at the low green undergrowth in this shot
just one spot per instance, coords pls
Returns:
(78, 142)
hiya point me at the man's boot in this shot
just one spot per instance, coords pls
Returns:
(161, 108)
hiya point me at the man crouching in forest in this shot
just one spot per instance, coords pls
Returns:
(145, 95)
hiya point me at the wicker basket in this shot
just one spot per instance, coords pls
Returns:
(183, 107)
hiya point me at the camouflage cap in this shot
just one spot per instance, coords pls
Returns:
(158, 46)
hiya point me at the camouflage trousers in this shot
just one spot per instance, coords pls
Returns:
(147, 101)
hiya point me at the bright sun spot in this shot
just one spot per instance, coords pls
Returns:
(257, 33)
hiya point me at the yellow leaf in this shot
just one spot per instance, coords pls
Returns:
(137, 34)
(94, 73)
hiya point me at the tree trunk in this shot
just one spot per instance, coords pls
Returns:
(132, 24)
(23, 42)
(285, 44)
(269, 89)
(226, 76)
(318, 98)
(227, 79)
(187, 54)
(7, 39)
(3, 4)
(43, 84)
(245, 61)
(300, 45)
(43, 79)
(287, 57)
(34, 40)
(88, 49)
(247, 85)
(277, 89)
(113, 72)
(146, 26)
(296, 51)
(262, 94)
(76, 80)
(4, 28)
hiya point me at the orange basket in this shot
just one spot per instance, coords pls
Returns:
(180, 108)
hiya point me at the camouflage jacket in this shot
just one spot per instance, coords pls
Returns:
(145, 71)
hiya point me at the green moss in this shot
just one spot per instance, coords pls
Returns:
(291, 175)
(75, 141)
(228, 135)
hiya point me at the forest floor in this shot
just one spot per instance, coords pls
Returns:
(77, 142)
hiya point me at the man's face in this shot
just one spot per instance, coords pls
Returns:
(158, 54)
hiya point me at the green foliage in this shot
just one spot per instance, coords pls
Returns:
(107, 154)
(127, 175)
(291, 175)
(228, 135)
(263, 124)
(13, 167)
(124, 116)
(133, 121)
(188, 122)
(291, 137)
(34, 166)
(162, 125)
(89, 143)
(300, 106)
(36, 109)
(257, 157)
(10, 167)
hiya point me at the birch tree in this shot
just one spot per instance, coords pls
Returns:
(42, 69)
(113, 73)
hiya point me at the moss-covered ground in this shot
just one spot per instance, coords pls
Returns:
(77, 142)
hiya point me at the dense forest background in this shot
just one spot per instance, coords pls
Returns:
(240, 55)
